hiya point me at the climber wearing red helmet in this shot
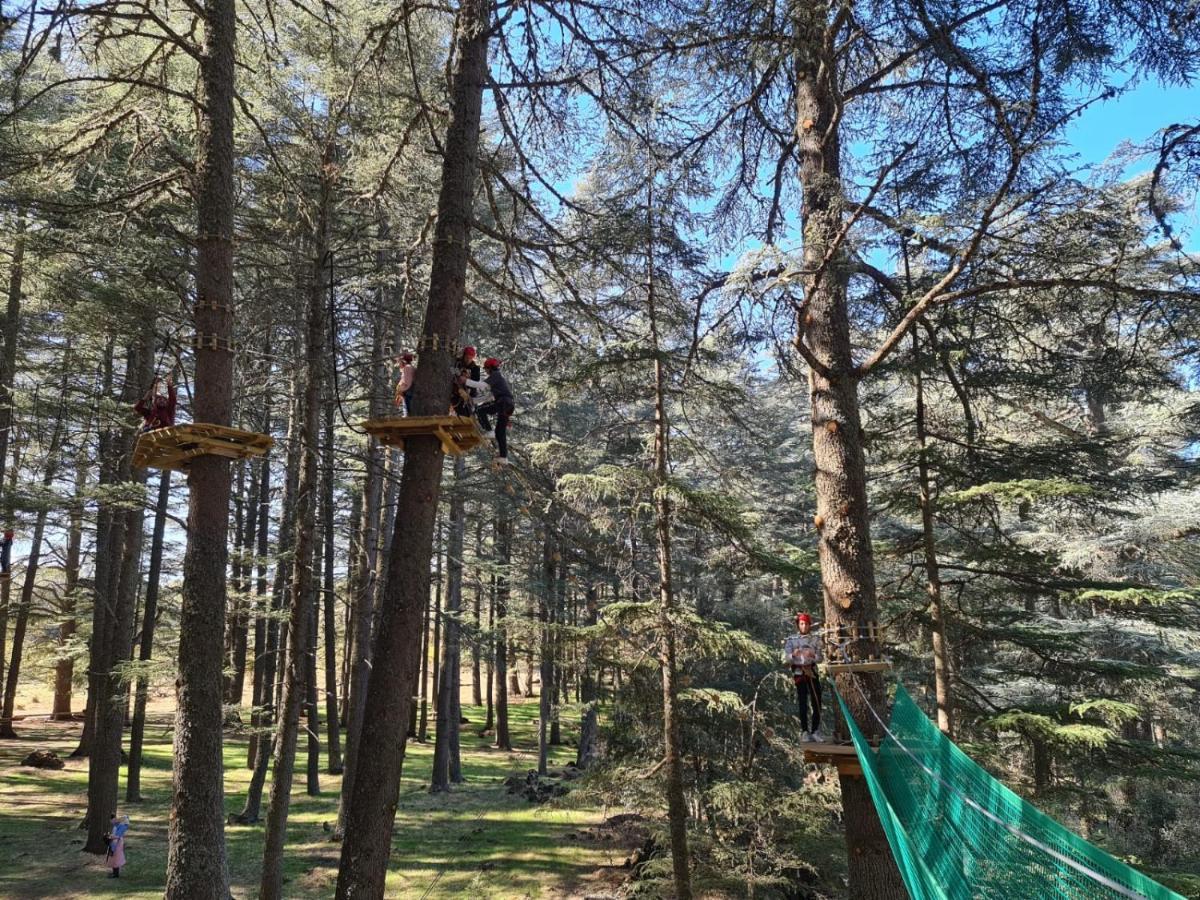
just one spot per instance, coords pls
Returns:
(802, 652)
(501, 403)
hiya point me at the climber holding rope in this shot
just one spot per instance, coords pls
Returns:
(157, 409)
(802, 652)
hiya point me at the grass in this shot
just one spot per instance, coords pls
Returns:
(477, 841)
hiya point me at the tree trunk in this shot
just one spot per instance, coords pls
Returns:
(8, 358)
(844, 543)
(109, 706)
(304, 584)
(449, 706)
(389, 694)
(364, 588)
(477, 611)
(490, 658)
(330, 605)
(133, 778)
(237, 631)
(312, 714)
(258, 686)
(503, 560)
(546, 652)
(589, 728)
(196, 864)
(64, 667)
(933, 579)
(672, 754)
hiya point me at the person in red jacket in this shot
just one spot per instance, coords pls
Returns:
(157, 409)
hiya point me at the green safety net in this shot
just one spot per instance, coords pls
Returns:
(959, 834)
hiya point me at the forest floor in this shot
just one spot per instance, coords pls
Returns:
(477, 841)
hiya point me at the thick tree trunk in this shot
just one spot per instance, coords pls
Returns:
(304, 584)
(312, 714)
(943, 690)
(389, 694)
(363, 589)
(843, 520)
(477, 613)
(236, 632)
(109, 706)
(449, 707)
(133, 779)
(196, 864)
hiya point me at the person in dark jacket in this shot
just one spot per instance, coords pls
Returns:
(6, 553)
(500, 404)
(462, 398)
(156, 409)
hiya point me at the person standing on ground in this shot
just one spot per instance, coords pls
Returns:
(802, 652)
(501, 404)
(115, 858)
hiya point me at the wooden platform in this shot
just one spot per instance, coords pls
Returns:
(874, 665)
(458, 434)
(840, 755)
(175, 447)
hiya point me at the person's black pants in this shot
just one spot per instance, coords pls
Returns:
(5, 556)
(503, 410)
(808, 690)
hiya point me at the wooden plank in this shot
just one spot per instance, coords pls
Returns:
(175, 447)
(878, 665)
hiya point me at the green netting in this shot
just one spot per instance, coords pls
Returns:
(959, 834)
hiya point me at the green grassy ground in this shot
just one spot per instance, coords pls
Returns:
(477, 841)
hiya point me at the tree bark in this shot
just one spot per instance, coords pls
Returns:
(589, 728)
(133, 778)
(943, 689)
(502, 592)
(844, 543)
(299, 659)
(64, 667)
(363, 590)
(196, 863)
(262, 536)
(333, 740)
(546, 652)
(109, 706)
(389, 694)
(449, 705)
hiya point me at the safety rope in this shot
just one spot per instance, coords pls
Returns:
(1012, 829)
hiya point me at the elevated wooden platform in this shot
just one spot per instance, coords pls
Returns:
(872, 665)
(840, 755)
(176, 447)
(458, 434)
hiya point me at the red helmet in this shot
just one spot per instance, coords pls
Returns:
(468, 351)
(407, 357)
(491, 363)
(803, 617)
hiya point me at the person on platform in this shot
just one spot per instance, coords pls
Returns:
(157, 408)
(404, 386)
(500, 404)
(462, 397)
(802, 653)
